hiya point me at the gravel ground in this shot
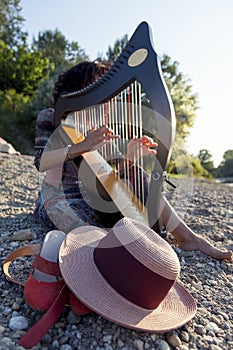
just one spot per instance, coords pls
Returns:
(206, 207)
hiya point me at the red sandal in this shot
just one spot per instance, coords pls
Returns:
(45, 282)
(44, 289)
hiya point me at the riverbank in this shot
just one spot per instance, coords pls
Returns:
(205, 206)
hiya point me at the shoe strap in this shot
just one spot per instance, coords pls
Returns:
(36, 333)
(49, 267)
(27, 250)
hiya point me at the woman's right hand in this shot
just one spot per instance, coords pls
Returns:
(96, 138)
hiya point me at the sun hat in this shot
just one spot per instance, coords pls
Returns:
(127, 275)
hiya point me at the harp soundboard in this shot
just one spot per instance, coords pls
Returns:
(138, 62)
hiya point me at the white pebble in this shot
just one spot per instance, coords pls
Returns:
(17, 323)
(212, 327)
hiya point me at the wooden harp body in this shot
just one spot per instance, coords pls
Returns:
(138, 63)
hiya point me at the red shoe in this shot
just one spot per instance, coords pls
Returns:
(76, 305)
(40, 295)
(45, 282)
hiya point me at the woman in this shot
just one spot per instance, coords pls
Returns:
(60, 203)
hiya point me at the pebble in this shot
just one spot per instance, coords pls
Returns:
(18, 323)
(161, 345)
(212, 327)
(55, 344)
(208, 280)
(139, 345)
(200, 329)
(174, 340)
(2, 329)
(65, 347)
(184, 336)
(22, 235)
(107, 338)
(6, 341)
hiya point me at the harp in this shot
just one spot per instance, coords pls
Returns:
(137, 65)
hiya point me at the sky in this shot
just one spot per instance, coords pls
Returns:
(198, 34)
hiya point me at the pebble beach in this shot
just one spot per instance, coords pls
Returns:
(207, 208)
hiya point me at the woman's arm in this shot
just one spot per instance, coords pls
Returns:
(96, 138)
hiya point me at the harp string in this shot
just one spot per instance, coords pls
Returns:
(123, 115)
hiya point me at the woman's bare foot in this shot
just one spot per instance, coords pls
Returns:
(196, 242)
(186, 239)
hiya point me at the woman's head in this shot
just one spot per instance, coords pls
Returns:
(78, 77)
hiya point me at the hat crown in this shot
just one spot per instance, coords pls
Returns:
(148, 248)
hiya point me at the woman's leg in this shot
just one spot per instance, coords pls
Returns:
(185, 238)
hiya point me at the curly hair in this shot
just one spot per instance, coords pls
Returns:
(78, 77)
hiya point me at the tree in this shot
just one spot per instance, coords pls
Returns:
(21, 68)
(198, 169)
(114, 52)
(62, 54)
(226, 166)
(54, 46)
(11, 23)
(228, 155)
(206, 160)
(184, 100)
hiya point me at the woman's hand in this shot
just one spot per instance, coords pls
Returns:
(95, 139)
(140, 147)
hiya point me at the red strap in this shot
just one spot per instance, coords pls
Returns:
(36, 333)
(49, 267)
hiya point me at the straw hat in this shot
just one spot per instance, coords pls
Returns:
(128, 276)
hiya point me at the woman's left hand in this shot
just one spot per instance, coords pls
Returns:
(140, 147)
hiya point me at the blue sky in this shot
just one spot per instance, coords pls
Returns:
(196, 33)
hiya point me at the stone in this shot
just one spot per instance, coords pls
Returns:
(212, 327)
(174, 340)
(22, 235)
(7, 148)
(18, 323)
(107, 338)
(139, 344)
(161, 344)
(200, 329)
(2, 329)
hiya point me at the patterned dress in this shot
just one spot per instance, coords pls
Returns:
(68, 206)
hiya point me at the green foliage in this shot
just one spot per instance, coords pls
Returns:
(206, 161)
(6, 66)
(228, 155)
(198, 169)
(11, 23)
(21, 68)
(226, 167)
(18, 129)
(114, 52)
(182, 163)
(184, 100)
(43, 96)
(28, 73)
(54, 46)
(10, 100)
(62, 54)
